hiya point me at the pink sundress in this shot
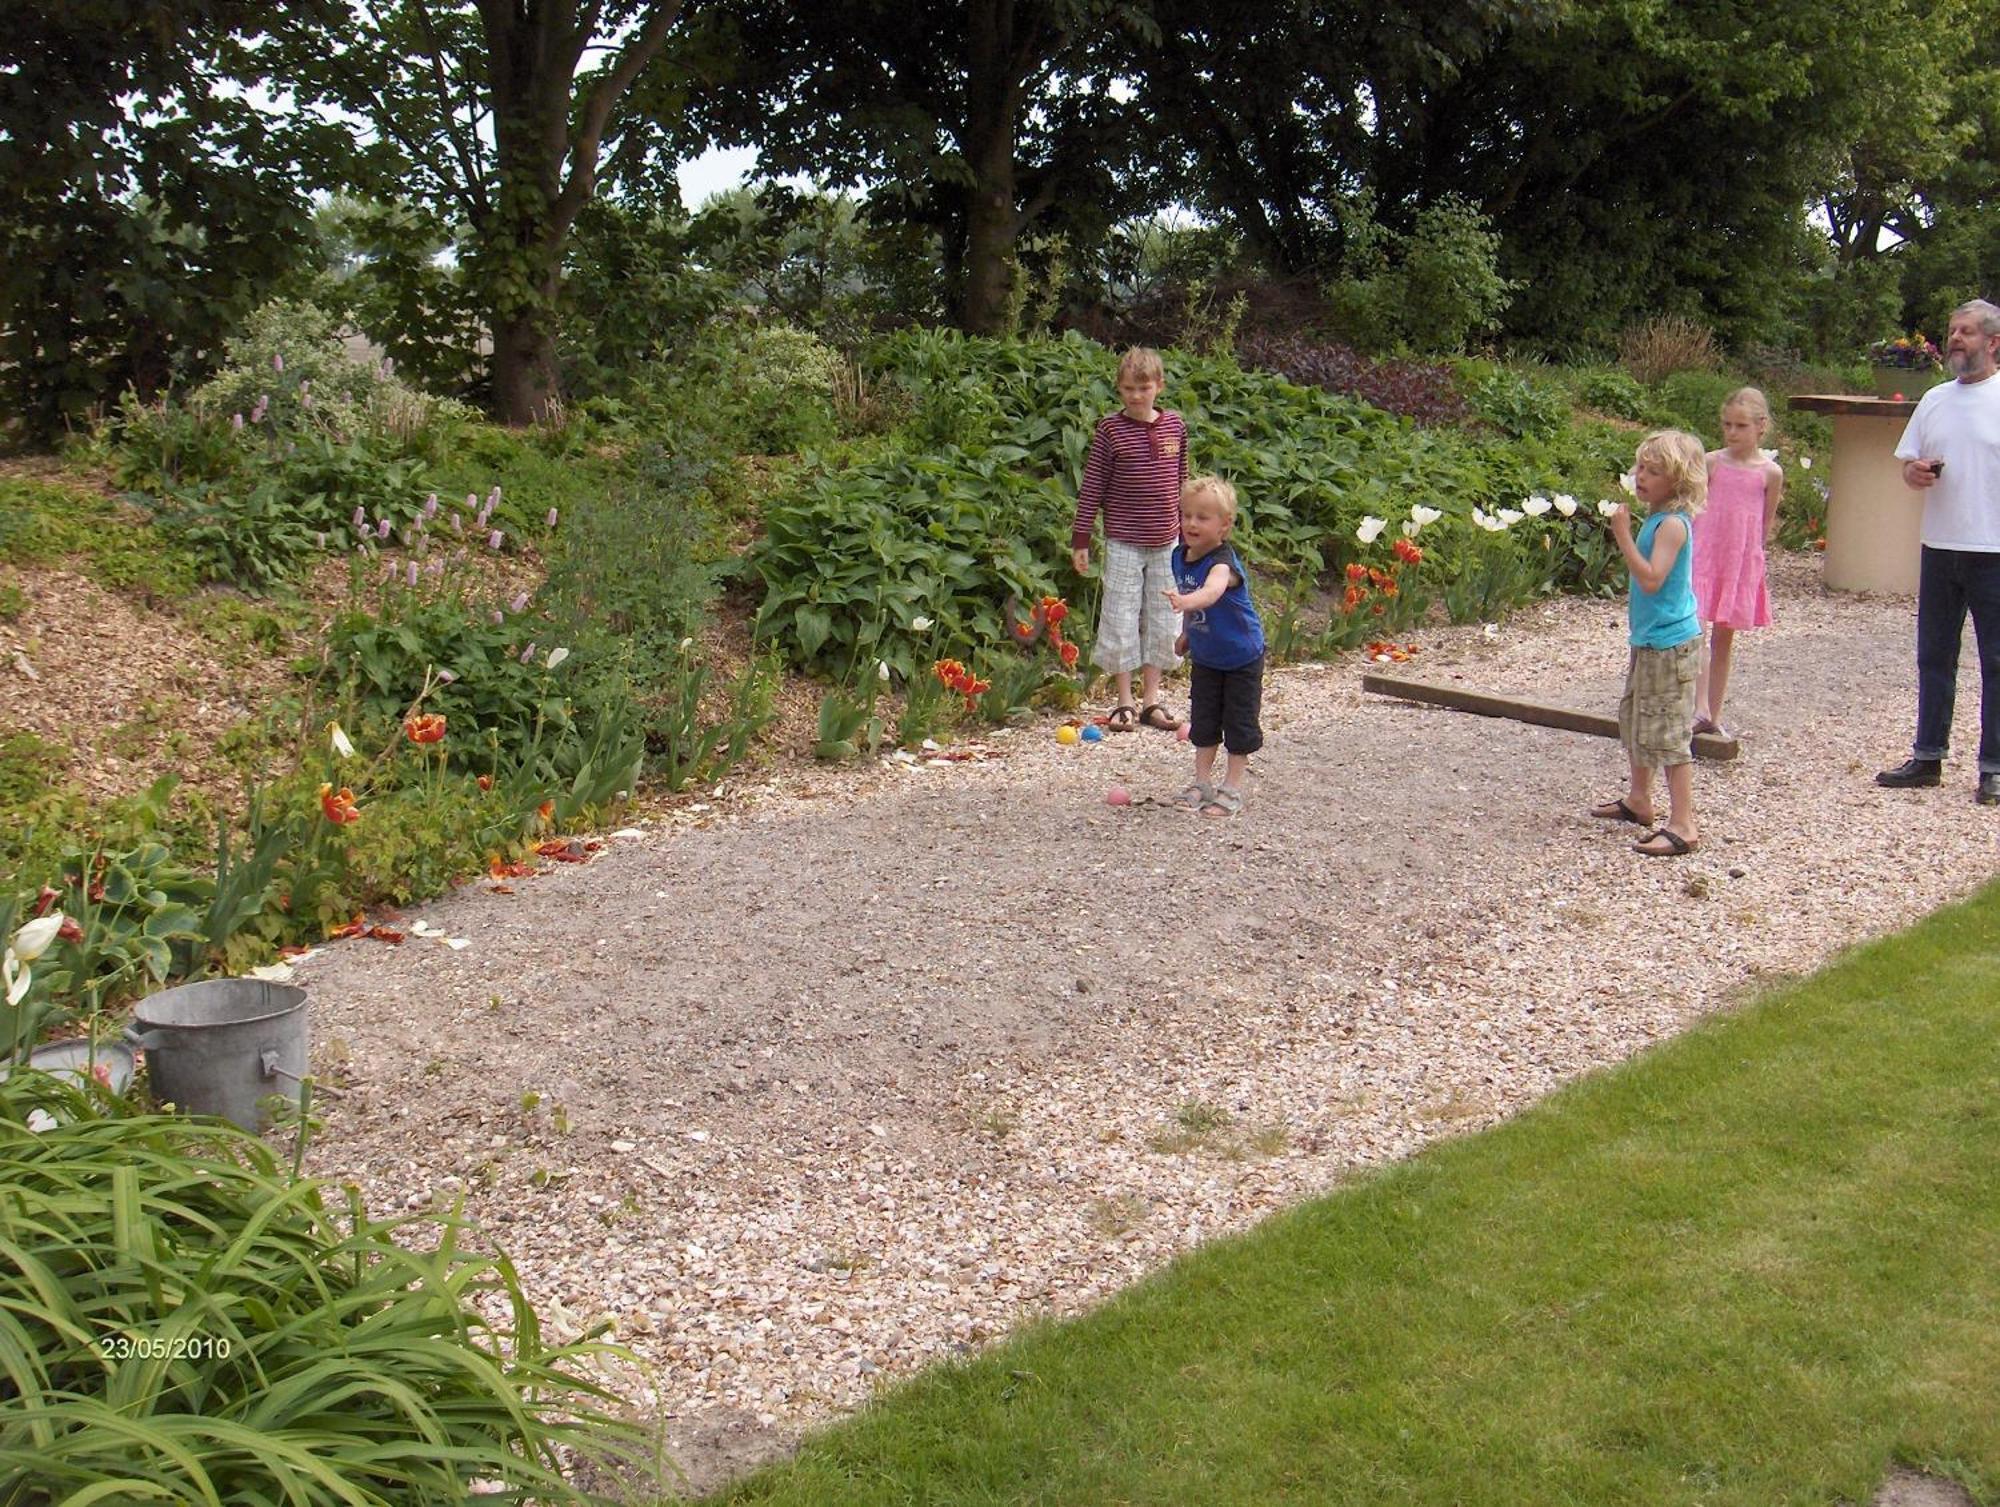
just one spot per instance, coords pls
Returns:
(1729, 549)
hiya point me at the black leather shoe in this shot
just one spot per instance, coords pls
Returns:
(1913, 772)
(1987, 793)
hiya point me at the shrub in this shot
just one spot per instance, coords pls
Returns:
(1419, 390)
(186, 1322)
(1429, 291)
(1514, 404)
(291, 366)
(1666, 344)
(1612, 392)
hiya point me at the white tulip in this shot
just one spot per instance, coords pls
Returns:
(1606, 507)
(32, 940)
(557, 656)
(920, 625)
(1508, 517)
(1422, 516)
(1370, 528)
(1565, 504)
(1536, 505)
(342, 744)
(16, 975)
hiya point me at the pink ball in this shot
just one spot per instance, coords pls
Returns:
(1117, 795)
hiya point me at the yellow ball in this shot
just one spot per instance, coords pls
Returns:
(1065, 735)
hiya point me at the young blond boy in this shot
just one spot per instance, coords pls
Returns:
(1224, 639)
(1656, 714)
(1133, 476)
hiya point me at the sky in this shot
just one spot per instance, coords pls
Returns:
(720, 168)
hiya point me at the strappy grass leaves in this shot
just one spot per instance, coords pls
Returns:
(182, 1320)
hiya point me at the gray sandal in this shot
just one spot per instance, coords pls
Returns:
(1223, 802)
(1196, 796)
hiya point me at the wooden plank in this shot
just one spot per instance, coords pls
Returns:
(1485, 704)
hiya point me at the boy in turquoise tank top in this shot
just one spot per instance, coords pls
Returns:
(1656, 713)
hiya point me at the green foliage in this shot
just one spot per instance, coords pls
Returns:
(45, 522)
(851, 560)
(1613, 393)
(847, 726)
(188, 1322)
(1430, 290)
(1515, 404)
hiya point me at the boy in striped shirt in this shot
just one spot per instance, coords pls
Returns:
(1137, 463)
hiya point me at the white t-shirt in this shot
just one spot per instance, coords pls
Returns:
(1959, 424)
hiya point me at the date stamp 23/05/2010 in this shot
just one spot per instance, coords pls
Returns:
(163, 1346)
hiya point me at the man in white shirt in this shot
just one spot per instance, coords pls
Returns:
(1951, 453)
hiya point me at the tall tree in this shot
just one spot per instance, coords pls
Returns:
(150, 199)
(503, 115)
(980, 120)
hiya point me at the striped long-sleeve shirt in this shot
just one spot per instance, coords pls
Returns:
(1134, 473)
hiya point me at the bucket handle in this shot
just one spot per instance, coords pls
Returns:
(145, 1041)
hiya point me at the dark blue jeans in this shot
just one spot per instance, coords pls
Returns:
(1950, 583)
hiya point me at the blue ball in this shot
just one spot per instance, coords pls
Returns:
(1093, 735)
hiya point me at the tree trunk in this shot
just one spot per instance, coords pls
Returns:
(992, 106)
(991, 227)
(524, 365)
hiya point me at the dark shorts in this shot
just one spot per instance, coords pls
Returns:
(1223, 706)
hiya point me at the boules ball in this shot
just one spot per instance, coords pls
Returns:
(1093, 735)
(1065, 735)
(1117, 795)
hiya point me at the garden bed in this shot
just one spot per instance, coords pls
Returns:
(835, 1075)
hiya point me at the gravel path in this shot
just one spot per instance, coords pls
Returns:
(837, 1081)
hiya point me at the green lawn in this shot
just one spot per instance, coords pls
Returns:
(1756, 1266)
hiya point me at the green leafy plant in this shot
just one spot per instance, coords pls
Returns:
(187, 1322)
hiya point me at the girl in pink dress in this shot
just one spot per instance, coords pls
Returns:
(1744, 485)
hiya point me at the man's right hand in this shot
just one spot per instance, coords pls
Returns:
(1080, 559)
(1920, 473)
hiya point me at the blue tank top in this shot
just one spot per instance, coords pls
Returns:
(1664, 618)
(1228, 634)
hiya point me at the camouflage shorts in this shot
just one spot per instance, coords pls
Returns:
(1656, 713)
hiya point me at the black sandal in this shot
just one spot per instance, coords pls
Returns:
(1156, 716)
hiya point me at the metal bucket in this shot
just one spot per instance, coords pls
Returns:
(225, 1046)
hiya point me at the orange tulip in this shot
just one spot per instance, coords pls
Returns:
(339, 807)
(428, 728)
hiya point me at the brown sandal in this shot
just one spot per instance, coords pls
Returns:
(1122, 719)
(1159, 717)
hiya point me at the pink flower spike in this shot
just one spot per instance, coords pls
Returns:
(520, 603)
(431, 506)
(436, 568)
(528, 653)
(277, 363)
(411, 574)
(458, 523)
(499, 617)
(471, 500)
(236, 421)
(493, 498)
(382, 529)
(360, 519)
(493, 540)
(445, 677)
(551, 519)
(305, 400)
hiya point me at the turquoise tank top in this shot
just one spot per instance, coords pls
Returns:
(1661, 619)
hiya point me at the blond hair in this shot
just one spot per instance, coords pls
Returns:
(1212, 486)
(1752, 401)
(1684, 460)
(1142, 364)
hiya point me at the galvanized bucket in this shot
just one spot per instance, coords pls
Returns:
(224, 1047)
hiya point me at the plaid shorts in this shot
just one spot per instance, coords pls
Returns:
(1656, 713)
(1135, 626)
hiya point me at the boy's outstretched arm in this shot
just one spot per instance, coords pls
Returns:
(1210, 593)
